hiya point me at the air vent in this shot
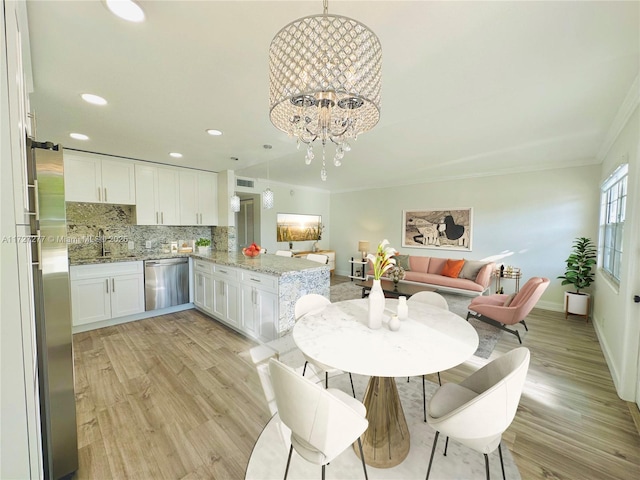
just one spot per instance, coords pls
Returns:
(244, 182)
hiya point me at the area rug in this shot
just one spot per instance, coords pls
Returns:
(269, 457)
(487, 334)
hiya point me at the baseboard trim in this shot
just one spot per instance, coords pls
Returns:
(130, 318)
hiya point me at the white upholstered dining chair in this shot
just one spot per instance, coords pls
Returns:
(478, 410)
(437, 300)
(323, 422)
(310, 303)
(432, 298)
(316, 257)
(284, 253)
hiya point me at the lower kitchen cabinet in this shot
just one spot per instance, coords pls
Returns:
(104, 291)
(259, 313)
(226, 295)
(203, 291)
(243, 300)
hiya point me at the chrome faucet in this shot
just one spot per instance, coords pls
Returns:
(105, 252)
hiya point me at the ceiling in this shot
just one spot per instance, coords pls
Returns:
(468, 88)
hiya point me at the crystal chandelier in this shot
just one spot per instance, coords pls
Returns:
(324, 82)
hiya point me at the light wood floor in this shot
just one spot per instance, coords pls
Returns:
(172, 397)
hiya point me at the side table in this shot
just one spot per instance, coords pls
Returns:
(358, 272)
(512, 273)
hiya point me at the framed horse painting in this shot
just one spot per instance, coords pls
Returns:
(449, 229)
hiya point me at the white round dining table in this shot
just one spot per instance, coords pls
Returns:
(430, 340)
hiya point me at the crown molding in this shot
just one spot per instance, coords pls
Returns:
(627, 108)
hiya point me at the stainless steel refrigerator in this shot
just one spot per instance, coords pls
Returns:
(52, 307)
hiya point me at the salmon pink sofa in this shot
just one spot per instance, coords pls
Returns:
(473, 279)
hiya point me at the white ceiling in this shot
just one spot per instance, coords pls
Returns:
(469, 88)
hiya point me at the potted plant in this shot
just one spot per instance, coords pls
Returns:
(579, 273)
(203, 245)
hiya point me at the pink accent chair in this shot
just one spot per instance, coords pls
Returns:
(500, 310)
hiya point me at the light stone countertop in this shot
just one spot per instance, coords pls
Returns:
(265, 263)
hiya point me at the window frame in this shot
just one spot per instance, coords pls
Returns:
(613, 202)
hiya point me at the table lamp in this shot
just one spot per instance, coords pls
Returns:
(363, 247)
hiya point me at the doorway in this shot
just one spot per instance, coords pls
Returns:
(248, 221)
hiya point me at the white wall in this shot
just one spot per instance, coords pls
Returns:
(292, 199)
(615, 315)
(527, 220)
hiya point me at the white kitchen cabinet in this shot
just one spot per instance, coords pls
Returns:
(157, 195)
(104, 291)
(198, 197)
(203, 285)
(226, 295)
(259, 305)
(98, 180)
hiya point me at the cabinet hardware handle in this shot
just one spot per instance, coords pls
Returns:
(113, 285)
(196, 218)
(255, 279)
(223, 271)
(36, 200)
(99, 195)
(157, 217)
(39, 247)
(105, 194)
(107, 280)
(162, 218)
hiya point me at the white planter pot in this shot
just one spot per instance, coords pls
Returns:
(203, 250)
(577, 303)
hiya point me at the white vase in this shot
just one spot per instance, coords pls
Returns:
(403, 308)
(394, 323)
(376, 305)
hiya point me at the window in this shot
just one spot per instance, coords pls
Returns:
(612, 214)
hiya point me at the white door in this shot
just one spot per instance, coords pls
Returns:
(90, 300)
(127, 295)
(118, 182)
(245, 223)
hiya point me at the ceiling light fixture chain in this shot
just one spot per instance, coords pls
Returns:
(325, 82)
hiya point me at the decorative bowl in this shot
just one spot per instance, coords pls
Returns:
(250, 253)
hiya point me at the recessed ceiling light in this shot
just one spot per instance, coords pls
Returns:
(79, 136)
(175, 155)
(126, 9)
(95, 99)
(214, 132)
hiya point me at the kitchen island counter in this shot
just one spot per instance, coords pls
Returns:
(265, 263)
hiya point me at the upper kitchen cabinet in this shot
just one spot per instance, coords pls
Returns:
(94, 179)
(198, 198)
(157, 195)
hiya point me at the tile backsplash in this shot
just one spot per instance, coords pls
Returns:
(118, 222)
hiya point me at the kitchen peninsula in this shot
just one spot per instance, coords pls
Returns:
(255, 295)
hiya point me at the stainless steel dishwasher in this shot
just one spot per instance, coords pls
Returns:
(166, 283)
